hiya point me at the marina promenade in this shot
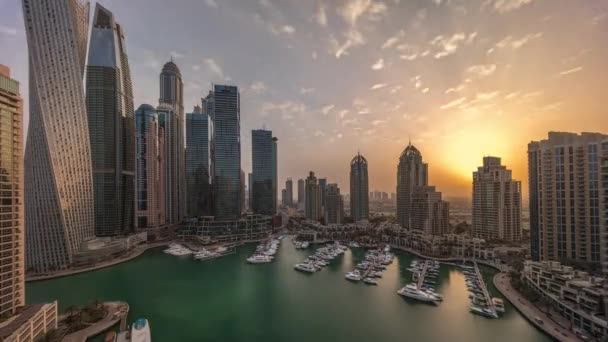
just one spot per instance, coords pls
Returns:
(422, 274)
(484, 289)
(117, 311)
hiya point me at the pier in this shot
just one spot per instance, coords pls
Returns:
(484, 289)
(422, 274)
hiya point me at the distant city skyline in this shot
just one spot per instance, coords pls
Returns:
(460, 88)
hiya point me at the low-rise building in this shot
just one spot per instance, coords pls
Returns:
(31, 324)
(209, 230)
(576, 295)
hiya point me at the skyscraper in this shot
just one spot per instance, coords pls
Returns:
(359, 189)
(149, 170)
(171, 115)
(168, 122)
(289, 192)
(226, 144)
(58, 177)
(568, 194)
(11, 144)
(301, 194)
(109, 97)
(322, 188)
(411, 172)
(263, 158)
(199, 129)
(496, 202)
(312, 207)
(428, 212)
(334, 205)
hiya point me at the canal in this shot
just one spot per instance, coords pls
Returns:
(227, 299)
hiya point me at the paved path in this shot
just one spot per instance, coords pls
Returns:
(134, 254)
(116, 310)
(502, 282)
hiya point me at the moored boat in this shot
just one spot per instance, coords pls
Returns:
(140, 331)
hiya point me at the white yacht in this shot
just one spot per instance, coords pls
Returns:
(305, 244)
(140, 331)
(177, 250)
(305, 267)
(259, 259)
(499, 305)
(409, 292)
(354, 276)
(370, 281)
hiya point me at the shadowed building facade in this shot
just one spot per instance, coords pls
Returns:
(264, 171)
(12, 286)
(411, 173)
(359, 189)
(109, 97)
(312, 198)
(334, 205)
(199, 129)
(568, 180)
(59, 207)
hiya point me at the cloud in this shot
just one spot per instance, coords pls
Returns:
(504, 6)
(211, 3)
(487, 96)
(287, 109)
(379, 122)
(9, 31)
(319, 133)
(214, 67)
(325, 110)
(378, 86)
(395, 89)
(512, 95)
(306, 90)
(482, 70)
(321, 15)
(379, 65)
(391, 41)
(409, 57)
(454, 103)
(570, 71)
(258, 87)
(288, 29)
(447, 45)
(516, 43)
(352, 13)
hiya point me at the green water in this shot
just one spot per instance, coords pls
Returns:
(228, 300)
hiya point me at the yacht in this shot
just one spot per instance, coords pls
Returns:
(354, 276)
(259, 259)
(353, 244)
(205, 254)
(482, 312)
(409, 292)
(140, 331)
(305, 267)
(177, 250)
(370, 281)
(305, 244)
(499, 305)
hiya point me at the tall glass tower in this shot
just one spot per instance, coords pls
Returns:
(109, 97)
(264, 166)
(58, 176)
(199, 128)
(227, 152)
(411, 173)
(359, 188)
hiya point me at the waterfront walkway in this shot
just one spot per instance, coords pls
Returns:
(485, 291)
(422, 274)
(137, 251)
(559, 331)
(116, 312)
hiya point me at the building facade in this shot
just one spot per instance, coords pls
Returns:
(12, 286)
(109, 97)
(171, 118)
(312, 206)
(322, 188)
(359, 189)
(288, 201)
(411, 173)
(58, 176)
(199, 129)
(301, 194)
(567, 197)
(149, 170)
(264, 171)
(227, 152)
(334, 205)
(496, 202)
(428, 212)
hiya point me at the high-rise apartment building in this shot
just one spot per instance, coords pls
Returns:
(428, 212)
(568, 197)
(226, 143)
(58, 176)
(12, 286)
(149, 170)
(359, 188)
(496, 202)
(289, 193)
(312, 207)
(109, 97)
(199, 129)
(322, 188)
(334, 205)
(171, 119)
(264, 167)
(411, 172)
(301, 194)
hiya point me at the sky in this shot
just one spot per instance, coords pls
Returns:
(461, 79)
